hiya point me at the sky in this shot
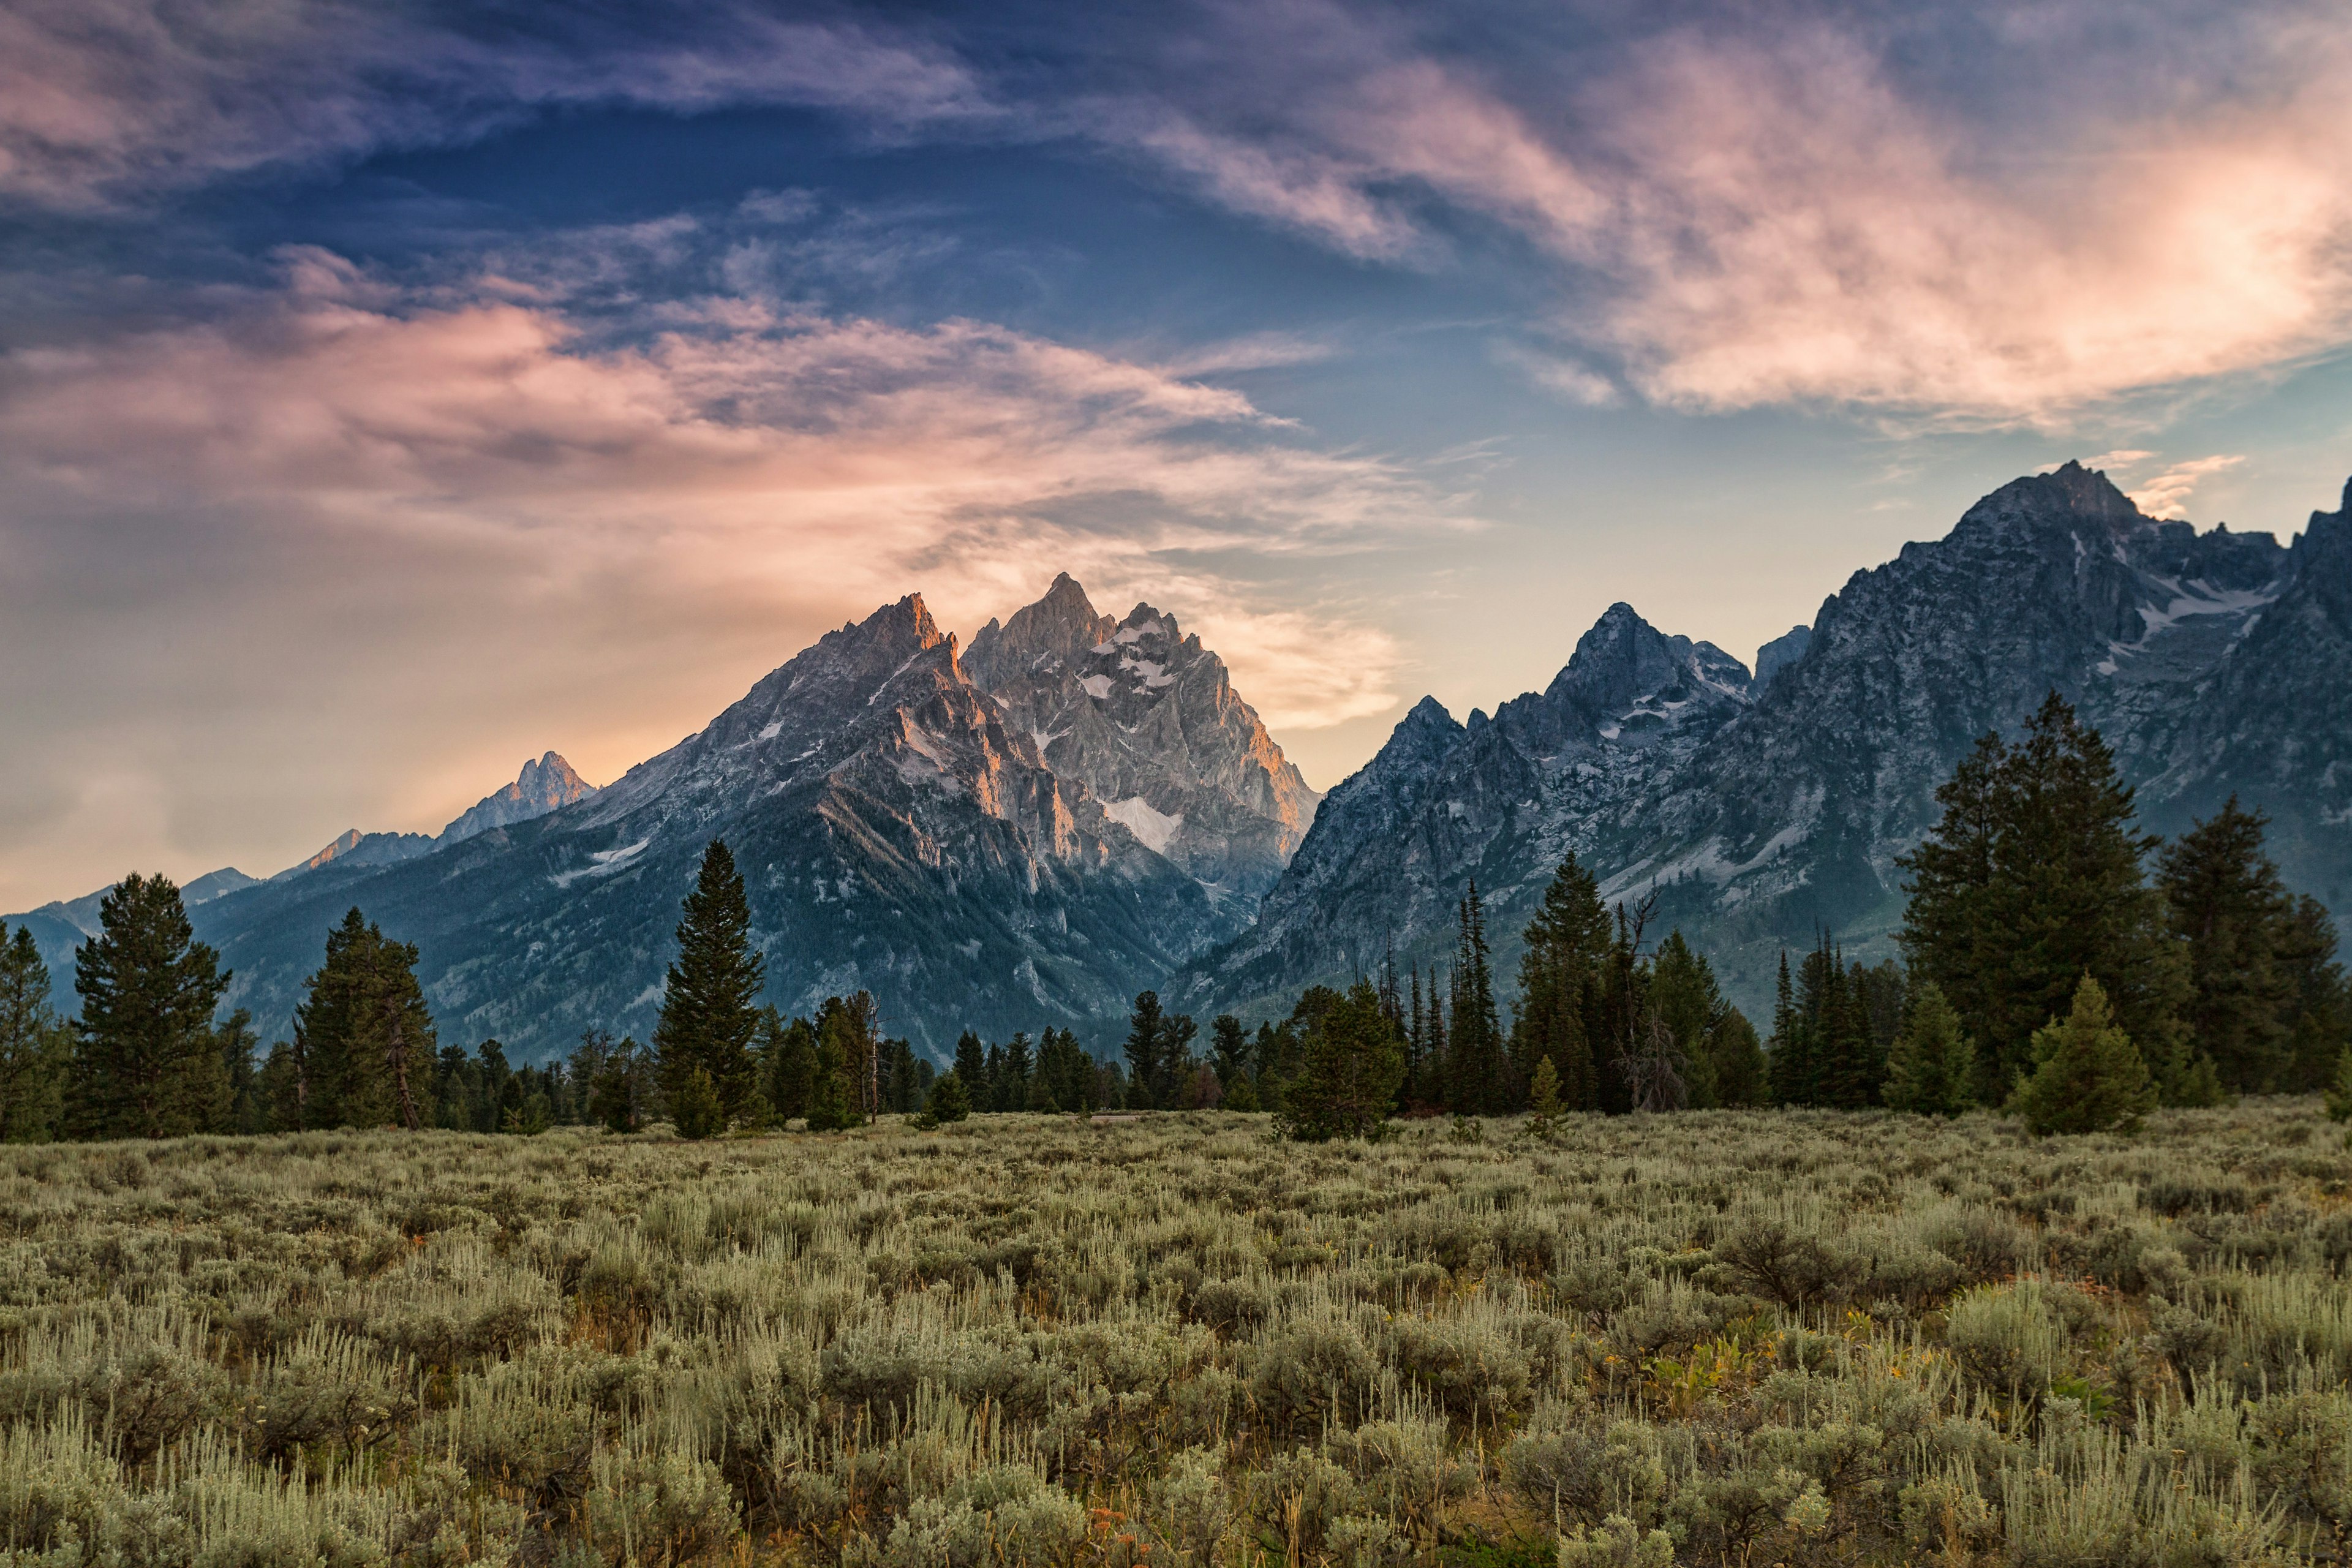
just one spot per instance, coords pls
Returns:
(389, 392)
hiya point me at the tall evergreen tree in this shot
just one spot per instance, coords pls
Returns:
(792, 1068)
(1931, 1067)
(845, 1051)
(1559, 970)
(2323, 1006)
(2234, 917)
(1228, 1050)
(1354, 1056)
(971, 1065)
(240, 1108)
(709, 1009)
(1791, 1065)
(143, 1063)
(1685, 999)
(365, 1042)
(33, 1046)
(2032, 878)
(1481, 1079)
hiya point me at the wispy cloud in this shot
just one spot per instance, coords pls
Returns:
(2167, 495)
(106, 100)
(1761, 213)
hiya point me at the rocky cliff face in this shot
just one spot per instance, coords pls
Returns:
(2211, 661)
(1148, 721)
(897, 833)
(545, 785)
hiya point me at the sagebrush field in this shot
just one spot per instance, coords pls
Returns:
(1724, 1337)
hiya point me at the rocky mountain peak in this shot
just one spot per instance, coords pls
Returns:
(547, 784)
(1624, 662)
(1147, 720)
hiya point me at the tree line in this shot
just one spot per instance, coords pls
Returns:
(2056, 961)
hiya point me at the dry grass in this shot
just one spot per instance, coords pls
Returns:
(1735, 1338)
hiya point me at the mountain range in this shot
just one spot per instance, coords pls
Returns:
(1075, 807)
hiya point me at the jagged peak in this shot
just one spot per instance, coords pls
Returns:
(2068, 494)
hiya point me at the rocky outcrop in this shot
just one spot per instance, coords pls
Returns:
(548, 785)
(1147, 720)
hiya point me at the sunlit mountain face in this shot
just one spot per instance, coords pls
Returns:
(391, 393)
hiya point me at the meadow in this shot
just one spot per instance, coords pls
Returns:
(1721, 1337)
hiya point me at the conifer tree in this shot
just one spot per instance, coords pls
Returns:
(950, 1100)
(1931, 1067)
(710, 1010)
(1013, 1092)
(845, 1045)
(790, 1067)
(239, 1107)
(2089, 1075)
(971, 1065)
(2227, 907)
(1687, 1000)
(1354, 1056)
(1041, 1096)
(1436, 1052)
(1742, 1074)
(1481, 1083)
(364, 1041)
(1558, 984)
(1543, 1097)
(2339, 1089)
(1228, 1051)
(2032, 878)
(143, 1062)
(694, 1108)
(831, 1104)
(1792, 1066)
(33, 1046)
(1146, 1048)
(2323, 1006)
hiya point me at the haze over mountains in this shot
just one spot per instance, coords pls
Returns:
(1077, 808)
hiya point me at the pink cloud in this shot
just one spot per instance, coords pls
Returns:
(400, 538)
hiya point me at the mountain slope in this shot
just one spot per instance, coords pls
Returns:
(1147, 720)
(896, 834)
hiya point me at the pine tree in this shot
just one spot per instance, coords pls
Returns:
(1013, 1095)
(1041, 1097)
(831, 1105)
(2033, 879)
(33, 1046)
(1354, 1058)
(1147, 1047)
(709, 1009)
(1742, 1074)
(1480, 1082)
(240, 1109)
(1685, 999)
(1228, 1051)
(950, 1100)
(1792, 1066)
(1931, 1066)
(1543, 1097)
(971, 1065)
(364, 1040)
(2234, 917)
(694, 1108)
(845, 1046)
(791, 1070)
(1558, 984)
(143, 1057)
(2089, 1075)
